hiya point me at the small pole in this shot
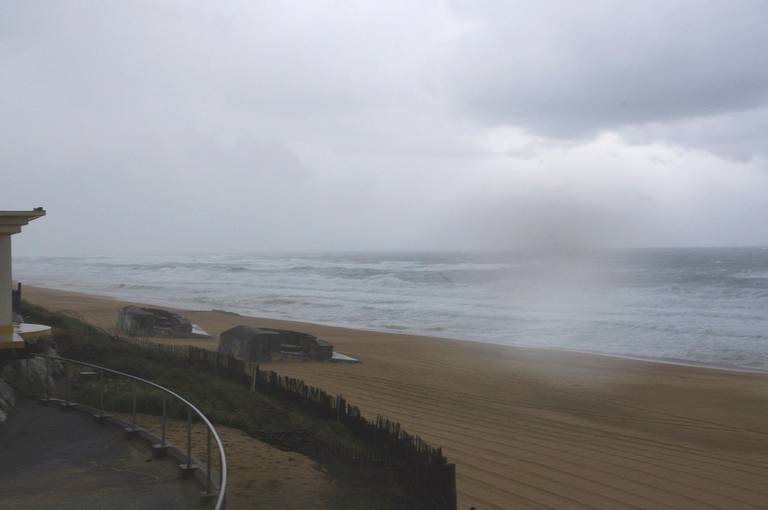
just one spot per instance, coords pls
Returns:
(133, 423)
(26, 367)
(48, 379)
(208, 455)
(162, 440)
(66, 384)
(101, 391)
(189, 437)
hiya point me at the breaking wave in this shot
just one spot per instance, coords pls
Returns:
(700, 305)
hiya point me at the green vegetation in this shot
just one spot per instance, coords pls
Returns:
(282, 423)
(222, 401)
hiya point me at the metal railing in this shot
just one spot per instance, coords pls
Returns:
(220, 493)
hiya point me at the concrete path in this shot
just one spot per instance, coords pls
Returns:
(54, 458)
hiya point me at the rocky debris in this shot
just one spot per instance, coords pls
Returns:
(32, 375)
(7, 399)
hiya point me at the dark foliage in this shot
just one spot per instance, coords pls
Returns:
(378, 465)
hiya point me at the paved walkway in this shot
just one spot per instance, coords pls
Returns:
(54, 458)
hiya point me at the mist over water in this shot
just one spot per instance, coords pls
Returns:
(698, 305)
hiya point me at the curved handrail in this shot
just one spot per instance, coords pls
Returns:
(220, 500)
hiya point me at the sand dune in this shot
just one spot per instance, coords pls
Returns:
(540, 429)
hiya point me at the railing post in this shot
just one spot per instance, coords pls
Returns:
(48, 378)
(189, 437)
(187, 468)
(208, 461)
(133, 429)
(161, 447)
(101, 390)
(27, 377)
(101, 415)
(133, 419)
(165, 419)
(66, 385)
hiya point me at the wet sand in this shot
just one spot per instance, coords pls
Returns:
(532, 428)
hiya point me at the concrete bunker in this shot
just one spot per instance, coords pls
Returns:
(260, 344)
(138, 321)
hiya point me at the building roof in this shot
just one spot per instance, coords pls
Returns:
(248, 330)
(12, 221)
(152, 312)
(137, 310)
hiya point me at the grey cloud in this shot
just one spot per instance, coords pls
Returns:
(571, 69)
(237, 126)
(737, 135)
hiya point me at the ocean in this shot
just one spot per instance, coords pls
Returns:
(703, 305)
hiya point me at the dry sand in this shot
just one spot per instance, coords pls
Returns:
(260, 476)
(539, 429)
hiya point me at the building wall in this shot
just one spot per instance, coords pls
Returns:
(247, 345)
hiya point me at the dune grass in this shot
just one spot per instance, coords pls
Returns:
(285, 424)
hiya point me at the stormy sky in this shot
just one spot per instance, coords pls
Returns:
(234, 126)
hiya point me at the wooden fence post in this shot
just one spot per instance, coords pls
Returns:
(450, 486)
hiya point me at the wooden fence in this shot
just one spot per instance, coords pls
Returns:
(418, 464)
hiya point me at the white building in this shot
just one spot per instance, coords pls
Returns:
(12, 335)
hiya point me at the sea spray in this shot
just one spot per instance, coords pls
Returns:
(699, 305)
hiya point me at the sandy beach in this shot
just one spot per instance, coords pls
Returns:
(533, 428)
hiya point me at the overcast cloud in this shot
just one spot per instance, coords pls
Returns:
(160, 127)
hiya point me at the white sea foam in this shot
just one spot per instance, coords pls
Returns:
(698, 305)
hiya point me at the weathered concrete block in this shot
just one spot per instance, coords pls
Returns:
(260, 344)
(138, 321)
(248, 343)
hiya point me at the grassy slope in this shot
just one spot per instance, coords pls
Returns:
(284, 424)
